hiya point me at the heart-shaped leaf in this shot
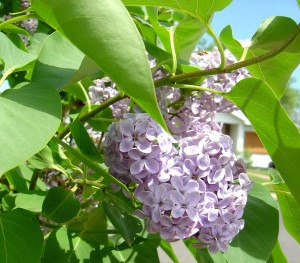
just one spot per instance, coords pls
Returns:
(29, 117)
(60, 205)
(105, 32)
(256, 241)
(275, 129)
(21, 238)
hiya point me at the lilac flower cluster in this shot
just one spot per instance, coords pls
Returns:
(198, 190)
(219, 82)
(135, 147)
(186, 115)
(104, 89)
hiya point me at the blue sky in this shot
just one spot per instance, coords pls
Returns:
(245, 17)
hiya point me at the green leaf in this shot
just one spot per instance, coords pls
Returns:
(13, 58)
(96, 226)
(21, 239)
(275, 176)
(102, 120)
(32, 201)
(63, 246)
(115, 44)
(186, 36)
(44, 160)
(15, 29)
(290, 210)
(203, 10)
(83, 141)
(167, 248)
(203, 255)
(16, 180)
(256, 241)
(29, 117)
(276, 131)
(60, 205)
(128, 225)
(56, 66)
(145, 252)
(277, 255)
(276, 71)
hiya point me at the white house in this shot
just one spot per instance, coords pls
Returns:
(238, 127)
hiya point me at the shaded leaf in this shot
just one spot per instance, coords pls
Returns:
(21, 239)
(256, 241)
(145, 252)
(276, 131)
(29, 116)
(63, 246)
(83, 141)
(60, 205)
(16, 180)
(128, 225)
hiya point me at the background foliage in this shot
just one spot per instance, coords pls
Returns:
(56, 204)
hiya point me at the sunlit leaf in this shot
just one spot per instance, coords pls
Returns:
(290, 210)
(167, 248)
(276, 131)
(200, 9)
(115, 44)
(29, 117)
(277, 255)
(56, 66)
(13, 58)
(277, 70)
(31, 201)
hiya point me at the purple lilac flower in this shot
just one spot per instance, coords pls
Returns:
(204, 197)
(187, 115)
(137, 146)
(103, 90)
(220, 82)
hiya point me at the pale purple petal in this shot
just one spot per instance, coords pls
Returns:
(136, 167)
(192, 150)
(142, 127)
(203, 162)
(126, 144)
(177, 211)
(151, 166)
(126, 128)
